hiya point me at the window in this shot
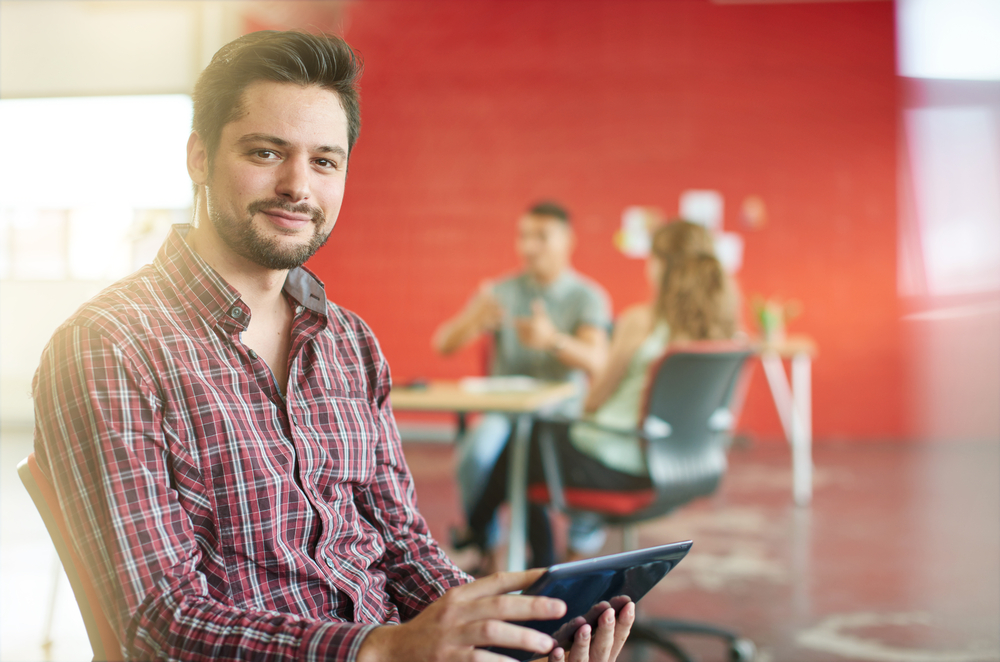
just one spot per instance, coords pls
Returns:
(90, 186)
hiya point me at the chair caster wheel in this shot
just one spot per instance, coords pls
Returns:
(742, 650)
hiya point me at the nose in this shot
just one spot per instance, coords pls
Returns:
(293, 180)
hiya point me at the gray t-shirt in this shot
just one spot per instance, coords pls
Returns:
(570, 300)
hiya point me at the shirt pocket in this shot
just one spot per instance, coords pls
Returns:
(347, 437)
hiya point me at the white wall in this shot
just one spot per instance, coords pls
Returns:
(59, 48)
(51, 48)
(29, 312)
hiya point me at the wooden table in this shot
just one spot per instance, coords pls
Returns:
(522, 405)
(794, 404)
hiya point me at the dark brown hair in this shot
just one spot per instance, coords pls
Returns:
(551, 209)
(282, 57)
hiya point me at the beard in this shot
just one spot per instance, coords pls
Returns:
(244, 239)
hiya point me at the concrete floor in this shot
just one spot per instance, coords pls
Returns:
(897, 560)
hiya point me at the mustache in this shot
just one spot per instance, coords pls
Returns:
(315, 215)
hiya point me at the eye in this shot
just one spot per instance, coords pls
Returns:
(264, 154)
(327, 164)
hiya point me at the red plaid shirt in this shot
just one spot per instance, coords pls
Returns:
(220, 520)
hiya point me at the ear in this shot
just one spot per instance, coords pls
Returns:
(197, 159)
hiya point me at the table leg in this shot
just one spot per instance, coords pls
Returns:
(802, 465)
(780, 391)
(517, 493)
(794, 405)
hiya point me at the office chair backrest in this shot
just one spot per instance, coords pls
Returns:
(686, 412)
(102, 637)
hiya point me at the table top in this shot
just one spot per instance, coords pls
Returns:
(792, 345)
(450, 396)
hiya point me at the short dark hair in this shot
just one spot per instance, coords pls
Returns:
(549, 208)
(282, 57)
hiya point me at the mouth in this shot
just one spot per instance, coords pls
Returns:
(287, 219)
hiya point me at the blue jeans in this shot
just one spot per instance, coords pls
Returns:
(479, 450)
(477, 455)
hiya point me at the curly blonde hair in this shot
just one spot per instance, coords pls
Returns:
(684, 237)
(695, 298)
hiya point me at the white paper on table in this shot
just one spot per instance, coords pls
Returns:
(506, 383)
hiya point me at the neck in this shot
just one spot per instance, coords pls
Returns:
(546, 278)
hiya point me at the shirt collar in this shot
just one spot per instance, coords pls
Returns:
(555, 288)
(215, 299)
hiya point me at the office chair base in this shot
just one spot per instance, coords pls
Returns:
(657, 633)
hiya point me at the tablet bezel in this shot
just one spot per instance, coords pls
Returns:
(563, 572)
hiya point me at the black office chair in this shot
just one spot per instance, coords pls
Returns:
(686, 428)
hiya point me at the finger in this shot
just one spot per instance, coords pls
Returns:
(626, 617)
(557, 655)
(512, 608)
(580, 652)
(493, 632)
(499, 583)
(604, 637)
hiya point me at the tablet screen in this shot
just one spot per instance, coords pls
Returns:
(589, 587)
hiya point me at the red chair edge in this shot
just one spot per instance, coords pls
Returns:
(102, 638)
(609, 502)
(606, 502)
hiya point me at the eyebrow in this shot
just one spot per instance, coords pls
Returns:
(281, 142)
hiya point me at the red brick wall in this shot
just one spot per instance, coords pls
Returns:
(471, 110)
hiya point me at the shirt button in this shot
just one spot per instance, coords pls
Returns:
(329, 562)
(252, 354)
(299, 309)
(236, 312)
(293, 419)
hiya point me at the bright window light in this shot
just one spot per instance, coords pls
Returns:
(955, 166)
(91, 185)
(950, 39)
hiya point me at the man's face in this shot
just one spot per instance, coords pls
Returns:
(277, 180)
(544, 244)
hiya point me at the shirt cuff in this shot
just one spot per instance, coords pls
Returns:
(333, 642)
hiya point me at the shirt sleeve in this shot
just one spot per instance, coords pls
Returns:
(596, 309)
(418, 572)
(100, 430)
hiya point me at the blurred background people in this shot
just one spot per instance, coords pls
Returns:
(693, 299)
(546, 322)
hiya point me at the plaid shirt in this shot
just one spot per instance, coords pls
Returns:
(220, 519)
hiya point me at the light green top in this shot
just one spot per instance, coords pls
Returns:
(621, 411)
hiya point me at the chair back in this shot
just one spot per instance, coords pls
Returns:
(687, 417)
(102, 638)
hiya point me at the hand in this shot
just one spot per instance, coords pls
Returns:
(484, 312)
(606, 643)
(537, 331)
(468, 617)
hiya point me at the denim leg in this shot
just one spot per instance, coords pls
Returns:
(478, 453)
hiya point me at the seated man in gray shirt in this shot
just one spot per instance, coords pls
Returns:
(547, 322)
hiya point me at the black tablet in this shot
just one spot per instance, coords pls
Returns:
(589, 587)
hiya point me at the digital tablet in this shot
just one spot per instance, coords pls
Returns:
(590, 586)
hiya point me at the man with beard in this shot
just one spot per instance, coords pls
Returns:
(220, 435)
